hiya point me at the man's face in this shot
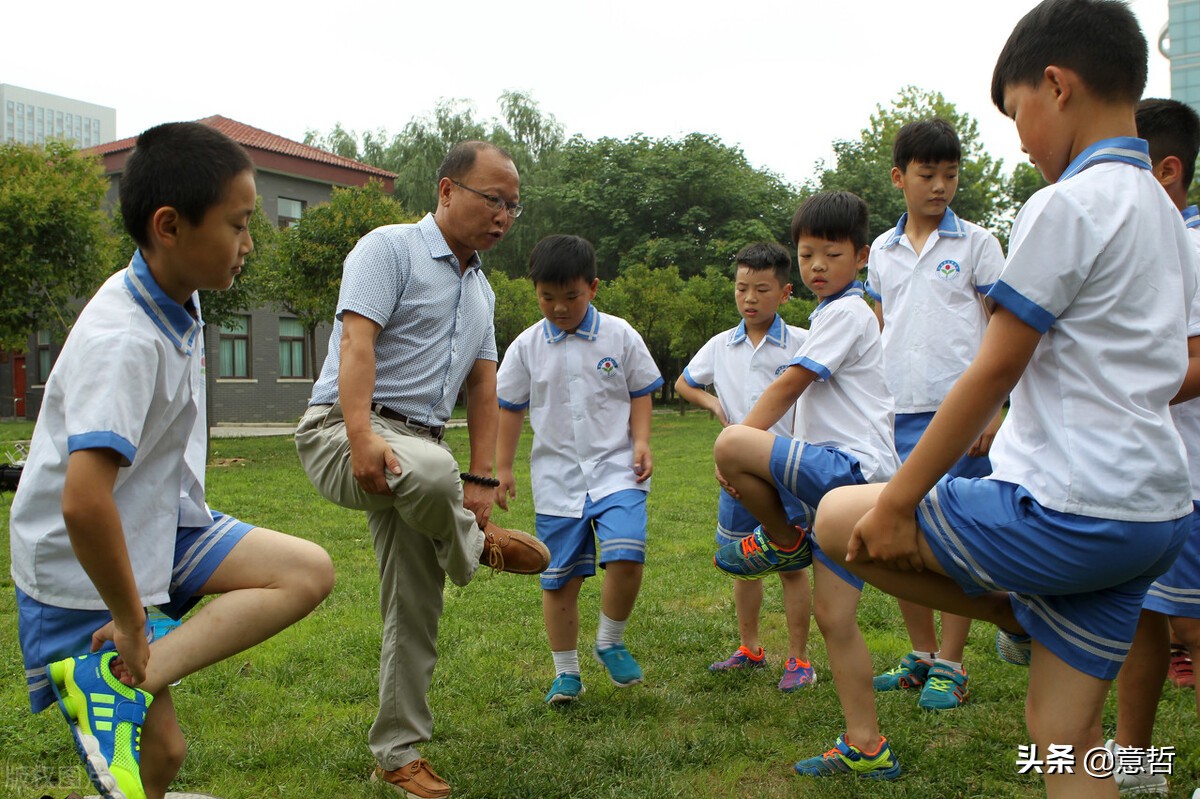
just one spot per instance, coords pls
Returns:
(466, 220)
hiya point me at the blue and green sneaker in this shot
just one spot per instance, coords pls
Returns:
(756, 556)
(622, 669)
(845, 758)
(911, 673)
(106, 718)
(945, 688)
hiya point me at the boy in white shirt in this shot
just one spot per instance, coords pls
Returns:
(928, 276)
(739, 364)
(586, 378)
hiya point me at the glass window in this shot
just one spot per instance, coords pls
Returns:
(234, 356)
(289, 211)
(292, 360)
(45, 360)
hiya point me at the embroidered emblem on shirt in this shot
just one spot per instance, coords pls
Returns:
(948, 270)
(607, 366)
(781, 369)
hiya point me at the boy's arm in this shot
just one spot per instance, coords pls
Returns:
(779, 397)
(1191, 381)
(98, 540)
(701, 398)
(483, 410)
(509, 433)
(877, 307)
(888, 532)
(639, 431)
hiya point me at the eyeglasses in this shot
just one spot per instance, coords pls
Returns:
(493, 202)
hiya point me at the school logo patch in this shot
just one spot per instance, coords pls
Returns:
(948, 270)
(607, 366)
(781, 370)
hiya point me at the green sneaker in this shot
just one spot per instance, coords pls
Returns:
(755, 556)
(106, 718)
(846, 758)
(910, 673)
(945, 688)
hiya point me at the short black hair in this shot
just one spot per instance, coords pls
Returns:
(763, 255)
(833, 216)
(926, 141)
(461, 158)
(1171, 128)
(562, 259)
(1100, 40)
(183, 165)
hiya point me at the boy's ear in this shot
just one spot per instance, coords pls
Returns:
(898, 177)
(1062, 82)
(595, 284)
(861, 256)
(1169, 171)
(164, 226)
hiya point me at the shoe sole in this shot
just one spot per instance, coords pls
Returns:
(86, 746)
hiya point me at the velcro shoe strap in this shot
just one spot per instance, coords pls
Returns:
(128, 710)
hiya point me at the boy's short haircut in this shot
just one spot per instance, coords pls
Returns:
(461, 158)
(1100, 40)
(560, 260)
(1171, 128)
(763, 255)
(927, 141)
(833, 216)
(182, 165)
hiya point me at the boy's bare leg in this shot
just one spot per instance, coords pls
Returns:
(747, 601)
(955, 630)
(163, 746)
(1140, 681)
(268, 581)
(560, 609)
(797, 609)
(743, 456)
(1063, 706)
(835, 604)
(918, 620)
(622, 581)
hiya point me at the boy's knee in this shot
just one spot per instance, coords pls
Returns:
(1188, 632)
(730, 444)
(319, 573)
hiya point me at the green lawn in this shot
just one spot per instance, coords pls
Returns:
(289, 718)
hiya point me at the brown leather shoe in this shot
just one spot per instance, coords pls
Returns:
(416, 780)
(513, 551)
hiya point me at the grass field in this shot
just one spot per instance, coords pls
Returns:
(289, 718)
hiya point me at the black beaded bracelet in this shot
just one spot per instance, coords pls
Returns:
(490, 482)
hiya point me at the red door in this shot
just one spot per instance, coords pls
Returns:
(19, 386)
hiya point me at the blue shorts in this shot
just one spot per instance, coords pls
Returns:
(1077, 583)
(49, 633)
(910, 427)
(734, 522)
(1177, 593)
(618, 521)
(803, 474)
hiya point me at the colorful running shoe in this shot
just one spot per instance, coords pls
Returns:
(106, 718)
(756, 556)
(566, 688)
(1014, 648)
(1180, 671)
(743, 658)
(910, 673)
(623, 670)
(796, 674)
(945, 688)
(846, 758)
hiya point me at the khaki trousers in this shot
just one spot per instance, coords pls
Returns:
(422, 534)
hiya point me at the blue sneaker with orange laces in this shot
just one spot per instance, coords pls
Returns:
(796, 674)
(106, 718)
(756, 556)
(742, 659)
(845, 758)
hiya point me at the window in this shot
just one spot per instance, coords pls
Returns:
(234, 357)
(44, 356)
(289, 211)
(292, 360)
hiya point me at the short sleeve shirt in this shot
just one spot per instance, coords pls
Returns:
(1187, 414)
(741, 371)
(129, 379)
(1101, 264)
(933, 314)
(577, 387)
(436, 320)
(848, 407)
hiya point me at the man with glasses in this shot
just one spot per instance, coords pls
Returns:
(414, 325)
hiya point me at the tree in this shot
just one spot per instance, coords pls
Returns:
(516, 307)
(651, 300)
(57, 240)
(708, 307)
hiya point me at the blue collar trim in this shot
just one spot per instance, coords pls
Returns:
(951, 227)
(855, 289)
(1191, 216)
(777, 333)
(1123, 149)
(588, 330)
(174, 320)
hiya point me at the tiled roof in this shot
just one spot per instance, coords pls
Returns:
(258, 139)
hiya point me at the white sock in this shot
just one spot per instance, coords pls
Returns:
(610, 632)
(926, 656)
(950, 663)
(566, 662)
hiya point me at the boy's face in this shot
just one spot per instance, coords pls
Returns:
(759, 295)
(210, 255)
(564, 306)
(827, 266)
(928, 187)
(1041, 126)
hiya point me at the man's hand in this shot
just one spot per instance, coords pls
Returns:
(643, 462)
(887, 537)
(507, 489)
(370, 456)
(478, 500)
(132, 649)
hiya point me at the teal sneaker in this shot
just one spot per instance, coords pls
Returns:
(566, 688)
(1014, 648)
(623, 670)
(846, 758)
(796, 674)
(741, 660)
(756, 556)
(910, 673)
(106, 718)
(945, 688)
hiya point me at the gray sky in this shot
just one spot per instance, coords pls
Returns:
(780, 79)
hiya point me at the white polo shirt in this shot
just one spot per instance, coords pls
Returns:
(848, 407)
(1101, 264)
(130, 378)
(933, 314)
(578, 388)
(741, 371)
(1187, 414)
